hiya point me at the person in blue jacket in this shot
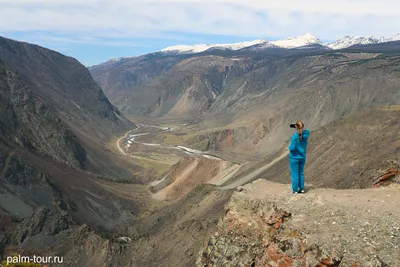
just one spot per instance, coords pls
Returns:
(297, 157)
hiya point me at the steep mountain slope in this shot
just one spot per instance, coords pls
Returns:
(66, 89)
(29, 123)
(171, 236)
(65, 85)
(185, 89)
(55, 124)
(120, 76)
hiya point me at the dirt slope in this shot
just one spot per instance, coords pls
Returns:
(189, 173)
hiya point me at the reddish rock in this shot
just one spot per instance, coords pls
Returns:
(278, 218)
(328, 263)
(273, 253)
(285, 262)
(385, 179)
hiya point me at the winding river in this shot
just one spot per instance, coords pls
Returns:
(131, 137)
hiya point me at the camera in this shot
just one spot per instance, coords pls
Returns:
(293, 125)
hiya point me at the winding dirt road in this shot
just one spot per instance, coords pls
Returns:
(255, 174)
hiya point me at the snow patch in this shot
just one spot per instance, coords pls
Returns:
(292, 42)
(390, 39)
(348, 41)
(204, 47)
(298, 41)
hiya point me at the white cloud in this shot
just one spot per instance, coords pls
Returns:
(149, 18)
(83, 40)
(352, 7)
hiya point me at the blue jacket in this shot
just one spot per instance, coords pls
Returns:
(298, 150)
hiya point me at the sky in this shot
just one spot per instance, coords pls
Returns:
(94, 31)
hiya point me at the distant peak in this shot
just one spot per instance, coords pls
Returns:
(298, 41)
(348, 41)
(184, 49)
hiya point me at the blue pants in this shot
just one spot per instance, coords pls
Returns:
(297, 170)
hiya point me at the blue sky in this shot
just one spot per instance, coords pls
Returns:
(94, 31)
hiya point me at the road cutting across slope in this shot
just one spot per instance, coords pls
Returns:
(256, 173)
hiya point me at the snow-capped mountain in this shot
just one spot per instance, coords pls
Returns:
(348, 41)
(292, 42)
(390, 39)
(237, 46)
(185, 49)
(298, 41)
(301, 41)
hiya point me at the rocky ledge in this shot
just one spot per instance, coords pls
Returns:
(266, 225)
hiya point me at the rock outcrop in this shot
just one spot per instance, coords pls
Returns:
(389, 176)
(50, 222)
(265, 225)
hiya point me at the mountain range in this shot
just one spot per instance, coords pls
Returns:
(307, 40)
(292, 42)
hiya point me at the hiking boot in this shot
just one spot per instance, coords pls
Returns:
(301, 191)
(294, 192)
